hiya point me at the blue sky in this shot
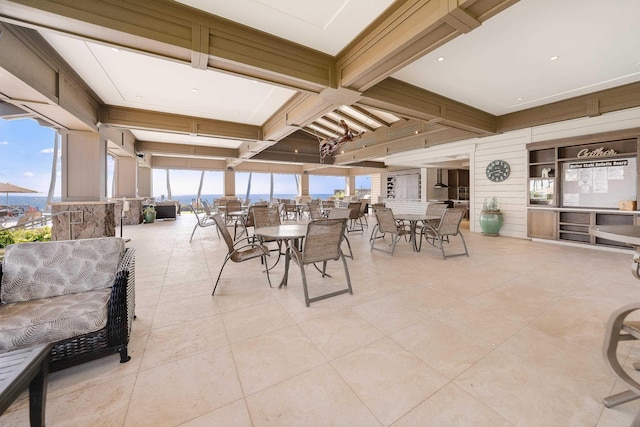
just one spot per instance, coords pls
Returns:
(26, 154)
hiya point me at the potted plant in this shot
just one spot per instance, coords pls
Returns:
(149, 214)
(490, 217)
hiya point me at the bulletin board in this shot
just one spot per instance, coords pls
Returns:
(599, 183)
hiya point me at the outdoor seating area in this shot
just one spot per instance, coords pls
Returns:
(77, 295)
(469, 338)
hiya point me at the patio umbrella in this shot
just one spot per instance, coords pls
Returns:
(10, 188)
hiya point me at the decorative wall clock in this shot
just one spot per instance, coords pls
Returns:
(498, 170)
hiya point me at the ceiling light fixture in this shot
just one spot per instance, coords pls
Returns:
(115, 49)
(194, 89)
(553, 58)
(138, 97)
(440, 58)
(519, 98)
(295, 151)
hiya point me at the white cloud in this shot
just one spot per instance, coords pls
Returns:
(29, 174)
(4, 142)
(47, 151)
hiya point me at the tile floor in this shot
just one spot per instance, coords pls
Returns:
(509, 336)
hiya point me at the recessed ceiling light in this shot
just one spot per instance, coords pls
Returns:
(440, 58)
(194, 89)
(115, 49)
(295, 151)
(553, 58)
(138, 97)
(519, 98)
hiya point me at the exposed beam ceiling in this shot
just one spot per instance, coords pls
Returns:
(219, 71)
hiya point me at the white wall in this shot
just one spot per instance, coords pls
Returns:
(511, 147)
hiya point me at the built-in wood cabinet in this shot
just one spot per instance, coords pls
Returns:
(576, 183)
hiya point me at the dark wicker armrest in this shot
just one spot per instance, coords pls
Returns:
(122, 301)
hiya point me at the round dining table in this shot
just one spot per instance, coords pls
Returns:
(413, 225)
(292, 233)
(629, 234)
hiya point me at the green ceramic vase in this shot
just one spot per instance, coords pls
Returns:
(491, 222)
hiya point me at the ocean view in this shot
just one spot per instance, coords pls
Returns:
(39, 202)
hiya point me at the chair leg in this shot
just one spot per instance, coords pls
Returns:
(440, 239)
(613, 335)
(264, 260)
(349, 246)
(220, 274)
(346, 273)
(464, 244)
(193, 232)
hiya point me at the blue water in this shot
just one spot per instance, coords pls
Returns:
(39, 202)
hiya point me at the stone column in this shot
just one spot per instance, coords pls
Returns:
(304, 184)
(229, 184)
(82, 220)
(350, 184)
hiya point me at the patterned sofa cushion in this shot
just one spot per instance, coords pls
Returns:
(37, 270)
(52, 319)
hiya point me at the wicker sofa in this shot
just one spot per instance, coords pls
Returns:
(77, 294)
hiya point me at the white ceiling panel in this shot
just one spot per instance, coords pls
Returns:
(153, 136)
(505, 65)
(135, 80)
(327, 25)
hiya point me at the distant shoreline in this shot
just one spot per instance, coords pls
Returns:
(39, 202)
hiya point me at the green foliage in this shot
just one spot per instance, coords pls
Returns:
(148, 210)
(20, 235)
(490, 205)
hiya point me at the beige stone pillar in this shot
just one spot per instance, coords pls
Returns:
(125, 177)
(145, 182)
(84, 167)
(229, 183)
(350, 184)
(304, 184)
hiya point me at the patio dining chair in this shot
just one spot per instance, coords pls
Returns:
(266, 216)
(203, 219)
(355, 217)
(433, 209)
(449, 225)
(387, 224)
(240, 253)
(619, 329)
(321, 244)
(342, 213)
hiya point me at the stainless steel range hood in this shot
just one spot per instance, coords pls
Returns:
(439, 183)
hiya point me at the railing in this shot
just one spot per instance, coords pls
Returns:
(47, 219)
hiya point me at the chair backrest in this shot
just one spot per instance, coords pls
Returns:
(195, 211)
(223, 229)
(363, 209)
(206, 207)
(339, 213)
(323, 240)
(355, 210)
(436, 209)
(233, 206)
(249, 221)
(386, 220)
(314, 210)
(450, 222)
(265, 216)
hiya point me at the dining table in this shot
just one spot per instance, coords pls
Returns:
(413, 220)
(293, 234)
(629, 234)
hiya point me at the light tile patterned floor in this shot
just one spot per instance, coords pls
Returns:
(509, 336)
